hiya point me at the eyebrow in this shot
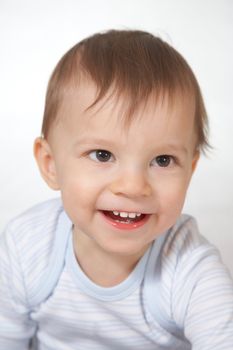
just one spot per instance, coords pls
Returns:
(108, 143)
(176, 147)
(93, 140)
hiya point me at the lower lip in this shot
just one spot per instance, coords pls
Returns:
(126, 226)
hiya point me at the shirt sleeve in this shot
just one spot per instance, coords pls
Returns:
(203, 299)
(16, 328)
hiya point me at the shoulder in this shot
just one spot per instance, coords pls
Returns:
(201, 288)
(33, 228)
(35, 225)
(27, 242)
(198, 270)
(186, 255)
(178, 244)
(187, 268)
(36, 217)
(184, 238)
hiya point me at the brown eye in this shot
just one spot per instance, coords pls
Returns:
(163, 160)
(101, 155)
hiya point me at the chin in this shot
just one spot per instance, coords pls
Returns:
(126, 249)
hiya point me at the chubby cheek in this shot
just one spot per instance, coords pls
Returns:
(171, 199)
(79, 194)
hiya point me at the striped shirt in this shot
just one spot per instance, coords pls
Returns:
(179, 295)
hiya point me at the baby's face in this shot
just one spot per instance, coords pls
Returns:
(122, 187)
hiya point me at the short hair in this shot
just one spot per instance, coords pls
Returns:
(136, 63)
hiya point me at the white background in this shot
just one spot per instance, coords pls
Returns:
(33, 36)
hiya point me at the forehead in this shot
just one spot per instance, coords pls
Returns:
(159, 112)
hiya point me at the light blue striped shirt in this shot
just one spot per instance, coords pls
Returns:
(179, 295)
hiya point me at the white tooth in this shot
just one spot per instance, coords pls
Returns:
(116, 212)
(132, 215)
(123, 214)
(138, 214)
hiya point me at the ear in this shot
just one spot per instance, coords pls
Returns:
(45, 161)
(196, 157)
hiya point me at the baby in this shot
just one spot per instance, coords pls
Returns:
(114, 264)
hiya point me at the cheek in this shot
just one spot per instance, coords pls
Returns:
(170, 203)
(80, 192)
(73, 178)
(172, 194)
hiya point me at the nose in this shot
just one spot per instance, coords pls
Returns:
(131, 184)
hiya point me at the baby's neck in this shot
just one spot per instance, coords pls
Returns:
(104, 269)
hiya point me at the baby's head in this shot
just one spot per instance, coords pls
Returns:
(131, 66)
(123, 126)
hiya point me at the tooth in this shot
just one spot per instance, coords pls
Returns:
(132, 215)
(124, 214)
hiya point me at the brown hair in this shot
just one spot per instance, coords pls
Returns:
(135, 63)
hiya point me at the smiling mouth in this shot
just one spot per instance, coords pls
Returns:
(125, 217)
(125, 220)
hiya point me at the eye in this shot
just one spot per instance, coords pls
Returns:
(163, 160)
(101, 155)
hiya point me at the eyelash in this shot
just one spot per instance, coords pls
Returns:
(106, 155)
(166, 159)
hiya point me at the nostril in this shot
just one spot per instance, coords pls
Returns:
(131, 186)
